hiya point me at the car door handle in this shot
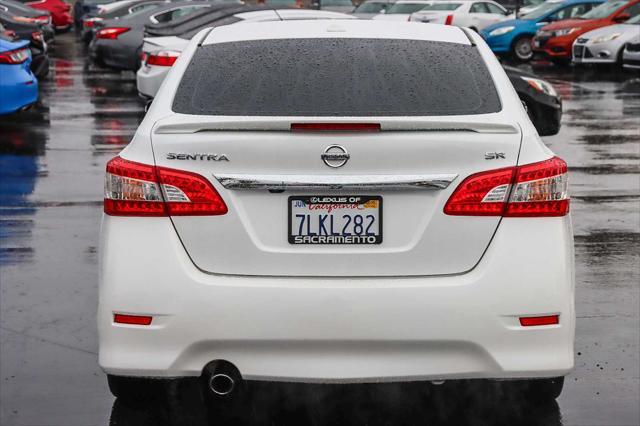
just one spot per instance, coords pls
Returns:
(363, 182)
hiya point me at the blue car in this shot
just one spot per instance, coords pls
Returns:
(513, 37)
(18, 85)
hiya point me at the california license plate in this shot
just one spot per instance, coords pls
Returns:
(328, 219)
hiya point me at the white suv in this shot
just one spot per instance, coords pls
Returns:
(336, 201)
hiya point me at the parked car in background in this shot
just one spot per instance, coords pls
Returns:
(544, 106)
(238, 271)
(160, 53)
(60, 12)
(605, 45)
(631, 54)
(513, 37)
(16, 31)
(92, 22)
(555, 41)
(24, 14)
(342, 6)
(118, 42)
(472, 14)
(18, 85)
(401, 10)
(371, 8)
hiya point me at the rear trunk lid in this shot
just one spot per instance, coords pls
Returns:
(253, 237)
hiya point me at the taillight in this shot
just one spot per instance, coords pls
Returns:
(91, 22)
(532, 190)
(136, 189)
(335, 127)
(163, 58)
(111, 33)
(13, 57)
(448, 20)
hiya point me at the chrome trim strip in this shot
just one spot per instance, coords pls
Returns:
(364, 182)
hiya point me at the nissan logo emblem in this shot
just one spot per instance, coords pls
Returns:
(335, 156)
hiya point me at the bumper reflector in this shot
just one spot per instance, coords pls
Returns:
(535, 321)
(132, 319)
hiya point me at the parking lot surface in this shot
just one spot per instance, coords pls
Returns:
(52, 161)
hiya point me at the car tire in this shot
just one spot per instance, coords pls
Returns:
(134, 389)
(521, 49)
(542, 391)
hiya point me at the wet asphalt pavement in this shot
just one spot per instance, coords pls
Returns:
(51, 174)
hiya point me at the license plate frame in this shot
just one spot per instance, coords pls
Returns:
(341, 239)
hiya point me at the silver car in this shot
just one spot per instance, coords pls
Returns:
(605, 45)
(631, 54)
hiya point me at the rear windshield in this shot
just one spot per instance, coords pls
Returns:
(442, 6)
(405, 8)
(371, 7)
(336, 77)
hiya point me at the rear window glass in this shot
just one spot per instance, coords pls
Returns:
(336, 77)
(442, 6)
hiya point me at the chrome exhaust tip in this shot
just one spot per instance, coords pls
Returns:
(221, 384)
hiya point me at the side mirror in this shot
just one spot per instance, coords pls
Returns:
(622, 17)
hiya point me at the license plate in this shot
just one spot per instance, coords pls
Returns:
(328, 219)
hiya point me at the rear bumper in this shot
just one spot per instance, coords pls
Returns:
(113, 54)
(338, 329)
(150, 78)
(18, 86)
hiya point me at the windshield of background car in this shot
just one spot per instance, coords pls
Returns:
(442, 6)
(281, 2)
(541, 11)
(604, 10)
(335, 3)
(371, 7)
(634, 21)
(336, 77)
(405, 8)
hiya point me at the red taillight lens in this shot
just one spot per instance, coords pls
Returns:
(111, 33)
(14, 57)
(448, 20)
(163, 58)
(132, 319)
(135, 189)
(335, 127)
(537, 321)
(532, 190)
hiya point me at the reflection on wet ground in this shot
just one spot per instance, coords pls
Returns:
(460, 404)
(51, 173)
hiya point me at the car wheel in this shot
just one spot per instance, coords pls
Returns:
(522, 49)
(135, 389)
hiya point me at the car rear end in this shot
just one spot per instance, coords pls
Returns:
(18, 85)
(344, 214)
(631, 54)
(158, 56)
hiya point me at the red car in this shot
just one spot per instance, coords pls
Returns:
(556, 39)
(60, 16)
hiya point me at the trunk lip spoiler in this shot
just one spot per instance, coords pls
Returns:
(385, 125)
(241, 181)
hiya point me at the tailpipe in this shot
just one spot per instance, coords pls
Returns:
(222, 378)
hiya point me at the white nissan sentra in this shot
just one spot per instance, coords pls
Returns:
(336, 201)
